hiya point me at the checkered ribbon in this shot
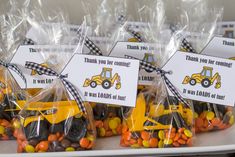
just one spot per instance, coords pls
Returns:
(28, 41)
(185, 45)
(171, 87)
(14, 68)
(94, 49)
(135, 34)
(121, 19)
(69, 86)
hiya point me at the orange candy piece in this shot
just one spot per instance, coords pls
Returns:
(153, 142)
(176, 144)
(52, 138)
(145, 135)
(199, 122)
(43, 145)
(84, 142)
(181, 141)
(216, 121)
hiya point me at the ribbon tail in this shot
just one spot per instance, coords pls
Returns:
(17, 70)
(73, 91)
(174, 91)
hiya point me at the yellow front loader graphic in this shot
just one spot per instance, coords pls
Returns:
(138, 119)
(205, 78)
(34, 72)
(105, 79)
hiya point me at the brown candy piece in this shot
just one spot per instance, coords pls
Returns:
(65, 143)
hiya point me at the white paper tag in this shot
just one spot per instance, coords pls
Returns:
(102, 79)
(203, 78)
(143, 51)
(220, 47)
(39, 54)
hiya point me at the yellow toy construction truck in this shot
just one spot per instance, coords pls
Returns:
(40, 119)
(105, 79)
(205, 78)
(158, 117)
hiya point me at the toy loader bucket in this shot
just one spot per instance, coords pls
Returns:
(86, 83)
(186, 80)
(118, 85)
(218, 85)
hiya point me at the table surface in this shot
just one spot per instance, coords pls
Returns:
(218, 142)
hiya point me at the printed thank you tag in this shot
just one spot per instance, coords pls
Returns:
(43, 54)
(143, 51)
(102, 79)
(203, 78)
(220, 47)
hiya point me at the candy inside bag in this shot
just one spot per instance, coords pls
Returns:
(201, 29)
(157, 121)
(51, 122)
(10, 93)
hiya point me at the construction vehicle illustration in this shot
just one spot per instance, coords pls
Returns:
(105, 79)
(148, 57)
(34, 72)
(37, 117)
(158, 117)
(205, 78)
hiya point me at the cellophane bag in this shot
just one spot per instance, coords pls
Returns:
(104, 25)
(51, 122)
(203, 21)
(13, 28)
(157, 121)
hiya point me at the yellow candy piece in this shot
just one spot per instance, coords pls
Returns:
(90, 137)
(101, 132)
(195, 115)
(161, 134)
(168, 141)
(160, 144)
(2, 130)
(210, 115)
(135, 145)
(188, 133)
(231, 120)
(114, 132)
(117, 119)
(113, 124)
(69, 149)
(29, 149)
(145, 143)
(16, 124)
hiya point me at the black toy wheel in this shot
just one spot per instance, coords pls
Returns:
(77, 130)
(192, 82)
(148, 71)
(36, 130)
(100, 111)
(106, 84)
(93, 84)
(206, 83)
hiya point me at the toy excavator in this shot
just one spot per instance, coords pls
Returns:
(105, 79)
(138, 119)
(205, 78)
